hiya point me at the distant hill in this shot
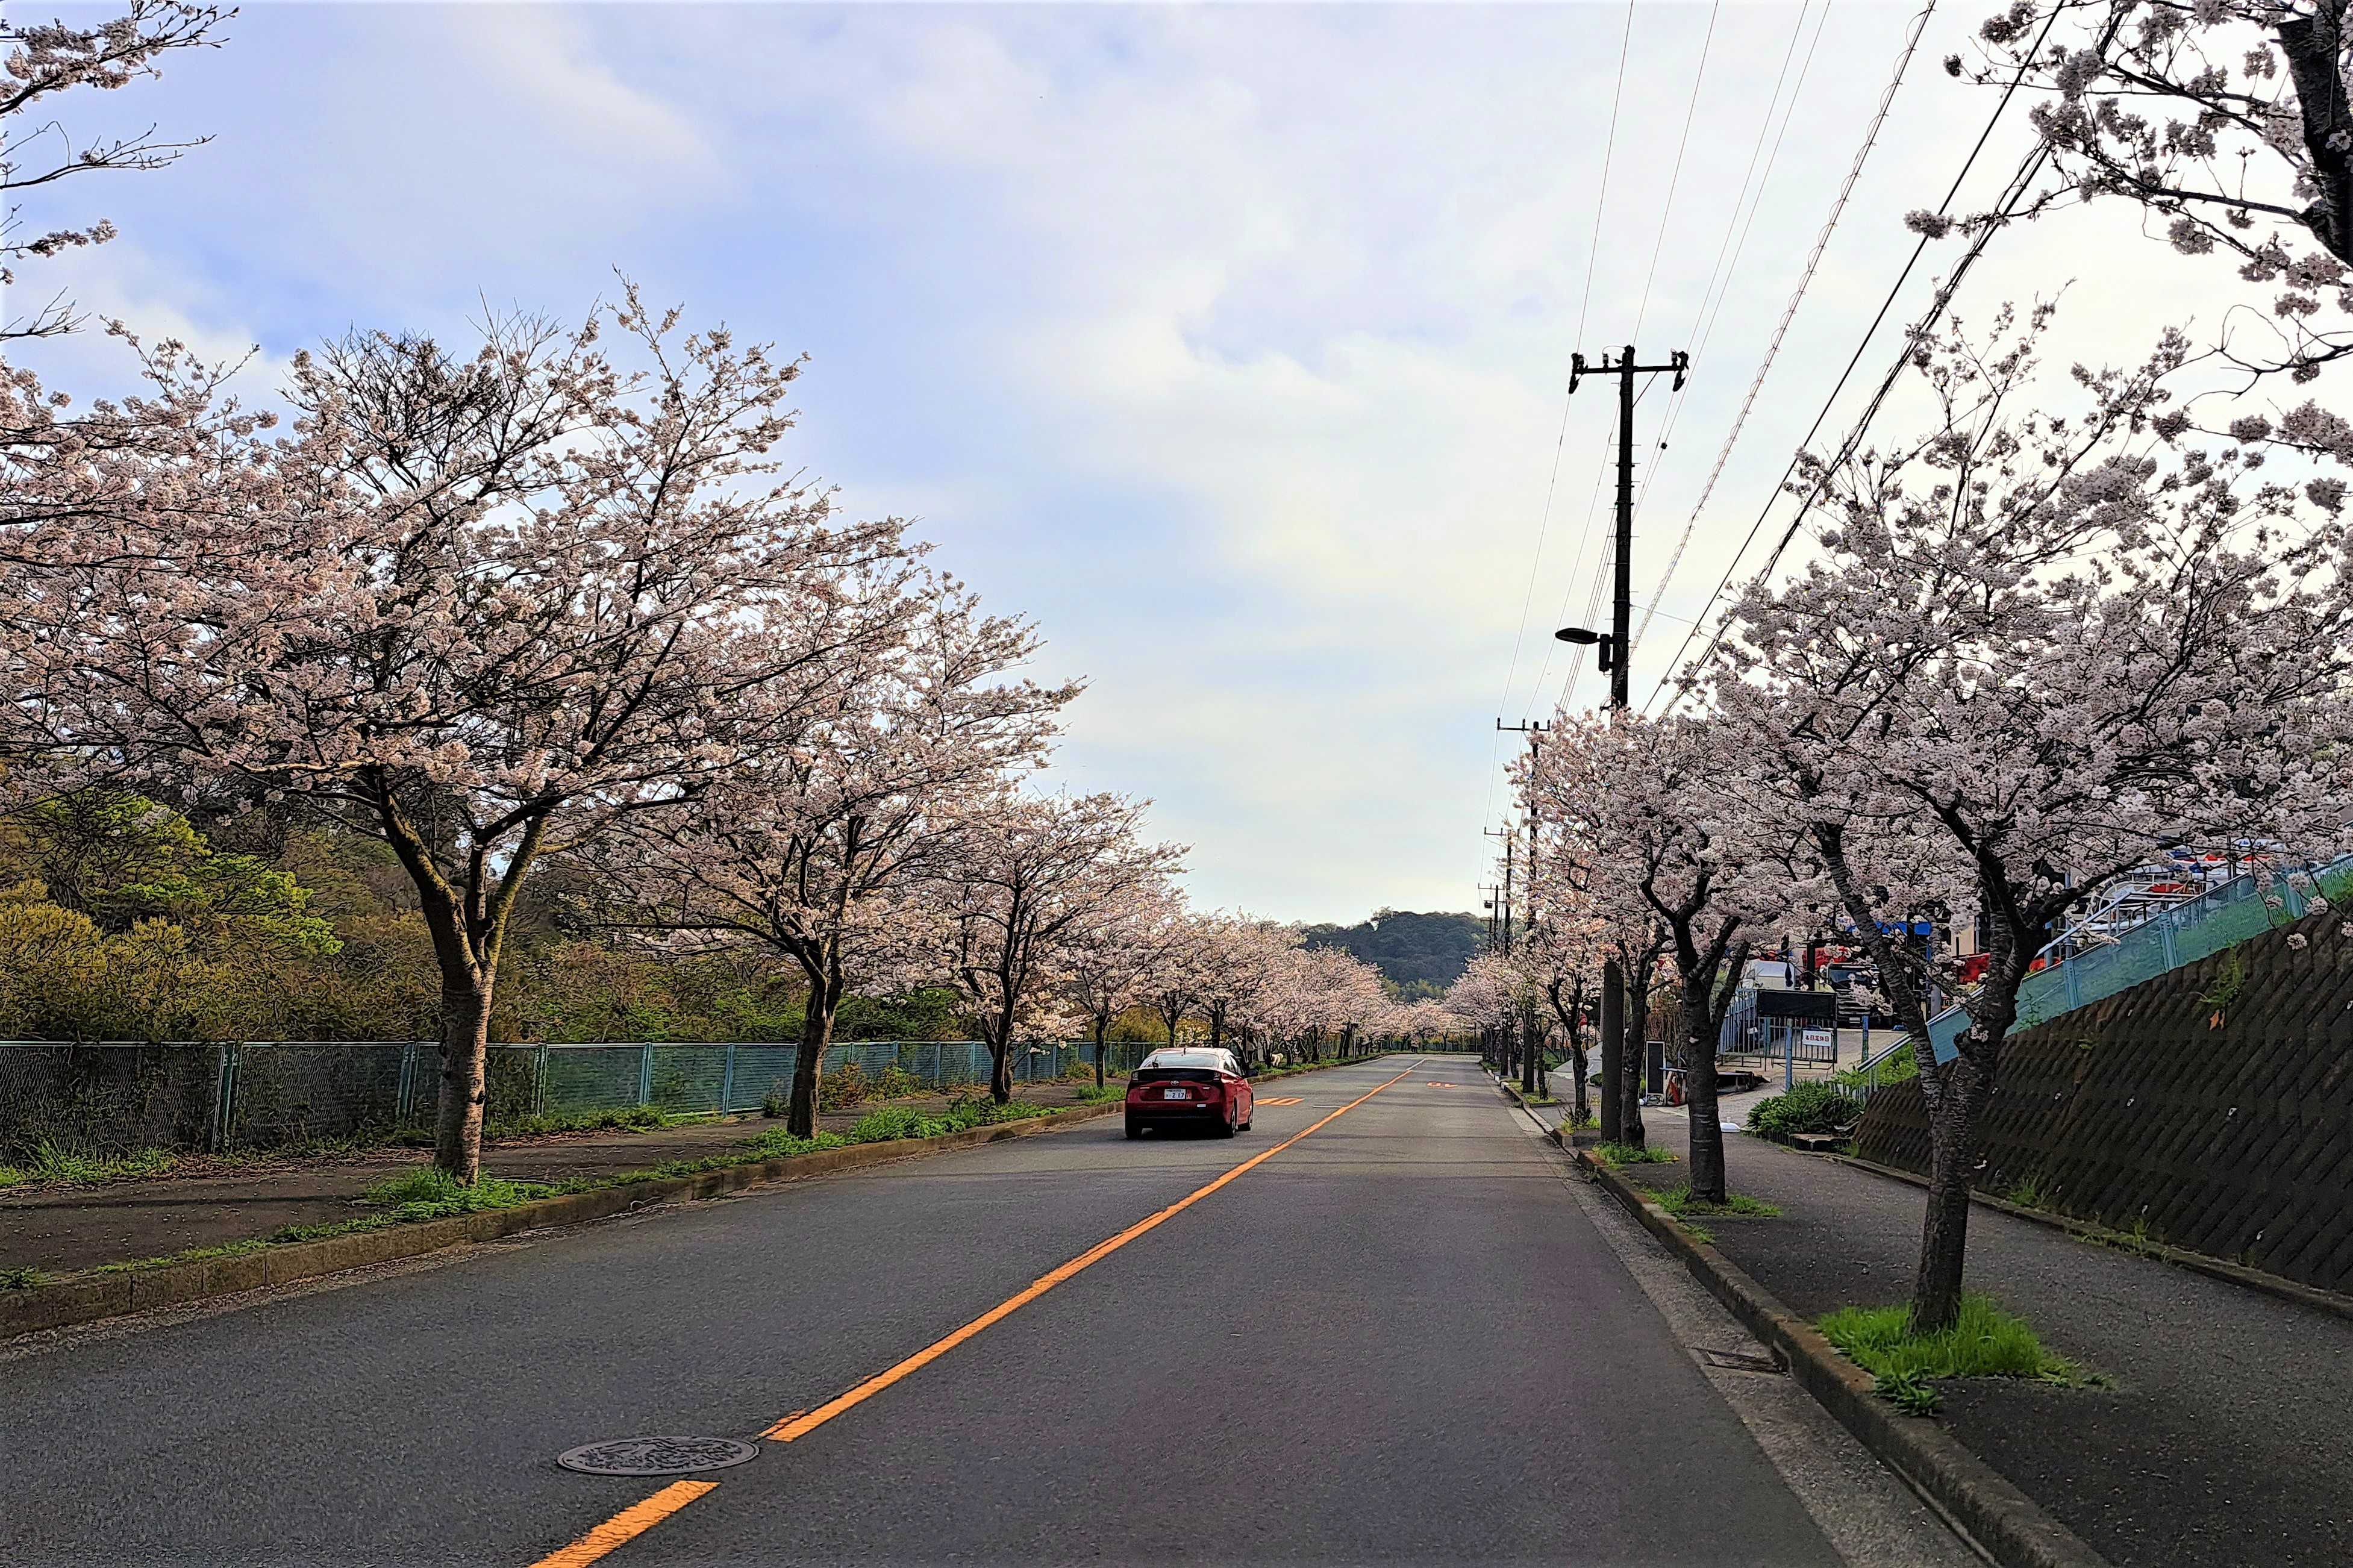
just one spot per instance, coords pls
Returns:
(1420, 954)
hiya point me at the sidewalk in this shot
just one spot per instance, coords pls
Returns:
(2222, 1443)
(58, 1230)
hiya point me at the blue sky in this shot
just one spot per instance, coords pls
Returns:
(1228, 342)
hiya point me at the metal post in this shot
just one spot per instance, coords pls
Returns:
(727, 1082)
(646, 1074)
(225, 1099)
(1613, 1051)
(539, 1081)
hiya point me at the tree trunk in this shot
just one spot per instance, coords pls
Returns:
(816, 1035)
(1102, 1027)
(1952, 1164)
(465, 1061)
(1699, 1098)
(2314, 46)
(1000, 1051)
(1630, 1096)
(1581, 1106)
(1532, 1067)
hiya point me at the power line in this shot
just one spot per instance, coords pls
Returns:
(2027, 171)
(1717, 274)
(1723, 453)
(1593, 255)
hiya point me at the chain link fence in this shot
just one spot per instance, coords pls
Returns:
(117, 1097)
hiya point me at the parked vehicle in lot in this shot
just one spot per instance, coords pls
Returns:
(1189, 1085)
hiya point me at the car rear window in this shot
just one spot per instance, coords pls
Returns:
(1211, 1059)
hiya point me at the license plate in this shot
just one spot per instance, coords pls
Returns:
(1175, 1094)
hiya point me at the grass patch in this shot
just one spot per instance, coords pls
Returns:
(193, 1255)
(1985, 1343)
(427, 1193)
(1679, 1203)
(1088, 1094)
(779, 1144)
(1634, 1154)
(19, 1279)
(52, 1165)
(630, 1118)
(1701, 1233)
(2028, 1194)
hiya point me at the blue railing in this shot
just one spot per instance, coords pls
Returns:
(2181, 933)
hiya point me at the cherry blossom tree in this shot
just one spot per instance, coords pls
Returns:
(1029, 876)
(2035, 654)
(484, 608)
(815, 850)
(2226, 120)
(46, 60)
(1234, 957)
(1106, 962)
(1562, 953)
(1660, 838)
(1171, 984)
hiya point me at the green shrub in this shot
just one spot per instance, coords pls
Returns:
(1900, 1065)
(1809, 1108)
(898, 1121)
(843, 1088)
(898, 1083)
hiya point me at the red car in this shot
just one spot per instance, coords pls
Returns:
(1190, 1087)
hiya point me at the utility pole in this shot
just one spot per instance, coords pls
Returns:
(1526, 1025)
(1510, 843)
(1614, 660)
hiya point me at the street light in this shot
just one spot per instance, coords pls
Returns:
(1582, 637)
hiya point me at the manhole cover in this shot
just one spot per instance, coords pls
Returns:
(656, 1456)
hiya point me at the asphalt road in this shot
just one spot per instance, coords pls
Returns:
(1400, 1340)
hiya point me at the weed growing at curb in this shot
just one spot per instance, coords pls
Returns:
(19, 1279)
(1088, 1094)
(1679, 1203)
(1985, 1343)
(2027, 1195)
(1699, 1234)
(1635, 1154)
(1908, 1393)
(2136, 1240)
(193, 1255)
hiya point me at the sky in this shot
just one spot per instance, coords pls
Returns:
(1230, 343)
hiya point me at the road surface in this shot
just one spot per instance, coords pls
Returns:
(1410, 1336)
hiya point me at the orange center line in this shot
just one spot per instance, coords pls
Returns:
(785, 1431)
(639, 1517)
(627, 1525)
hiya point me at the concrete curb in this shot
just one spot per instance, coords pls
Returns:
(2271, 1285)
(89, 1297)
(2001, 1521)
